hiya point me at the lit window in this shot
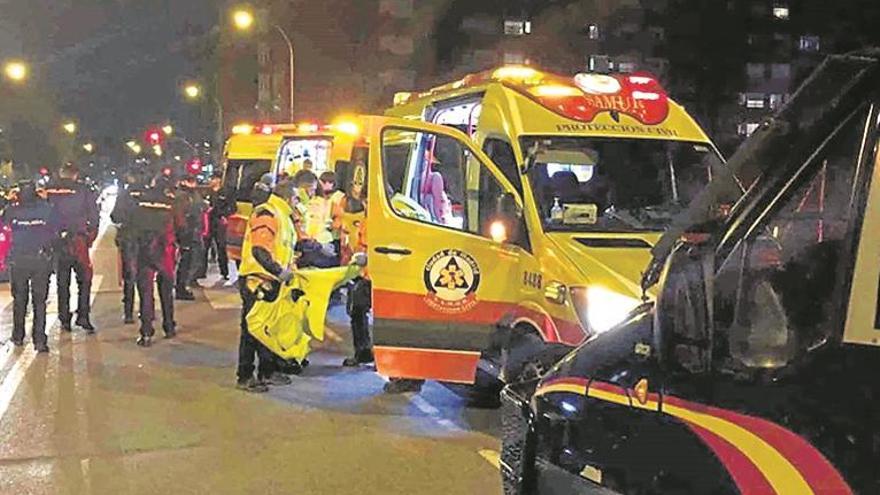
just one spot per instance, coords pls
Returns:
(755, 100)
(593, 31)
(809, 43)
(599, 63)
(626, 67)
(780, 12)
(747, 128)
(775, 101)
(517, 28)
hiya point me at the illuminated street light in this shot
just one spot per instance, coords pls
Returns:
(192, 91)
(70, 127)
(131, 144)
(168, 130)
(16, 70)
(89, 147)
(243, 19)
(157, 150)
(136, 149)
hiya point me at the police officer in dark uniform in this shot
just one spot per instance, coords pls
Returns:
(126, 201)
(76, 209)
(188, 208)
(153, 227)
(34, 234)
(219, 207)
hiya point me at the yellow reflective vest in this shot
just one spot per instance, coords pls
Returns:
(285, 239)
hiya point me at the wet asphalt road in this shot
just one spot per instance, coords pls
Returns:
(99, 415)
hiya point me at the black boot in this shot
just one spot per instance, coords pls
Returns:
(65, 325)
(84, 323)
(251, 385)
(184, 294)
(145, 341)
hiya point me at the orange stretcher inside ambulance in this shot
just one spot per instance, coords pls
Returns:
(593, 167)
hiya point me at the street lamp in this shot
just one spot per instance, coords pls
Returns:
(70, 127)
(89, 147)
(244, 20)
(16, 70)
(192, 91)
(168, 130)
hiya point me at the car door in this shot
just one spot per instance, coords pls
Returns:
(442, 261)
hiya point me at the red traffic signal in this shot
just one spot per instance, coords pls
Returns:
(194, 166)
(154, 137)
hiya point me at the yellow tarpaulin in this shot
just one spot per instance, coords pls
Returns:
(287, 327)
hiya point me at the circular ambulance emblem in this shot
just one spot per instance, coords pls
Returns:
(451, 278)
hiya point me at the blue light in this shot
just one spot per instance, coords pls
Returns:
(569, 408)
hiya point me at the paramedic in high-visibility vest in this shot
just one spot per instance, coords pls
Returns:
(267, 261)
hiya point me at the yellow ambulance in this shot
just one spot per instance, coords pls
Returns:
(249, 153)
(512, 212)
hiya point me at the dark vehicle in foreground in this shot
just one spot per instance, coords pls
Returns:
(755, 371)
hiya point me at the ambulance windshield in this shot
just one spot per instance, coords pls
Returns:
(615, 185)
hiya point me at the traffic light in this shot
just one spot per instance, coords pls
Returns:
(194, 166)
(154, 137)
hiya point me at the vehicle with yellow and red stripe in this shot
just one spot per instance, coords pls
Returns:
(590, 170)
(755, 372)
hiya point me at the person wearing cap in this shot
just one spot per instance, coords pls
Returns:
(154, 223)
(219, 208)
(35, 231)
(76, 208)
(126, 241)
(268, 261)
(188, 207)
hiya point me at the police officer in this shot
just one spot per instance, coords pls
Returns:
(188, 208)
(153, 227)
(34, 234)
(267, 262)
(219, 207)
(126, 241)
(76, 208)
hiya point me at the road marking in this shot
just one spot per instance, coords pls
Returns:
(85, 468)
(15, 376)
(493, 457)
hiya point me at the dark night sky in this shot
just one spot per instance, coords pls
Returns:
(115, 65)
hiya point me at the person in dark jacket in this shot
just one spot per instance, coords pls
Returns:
(34, 233)
(188, 208)
(219, 208)
(76, 209)
(153, 227)
(126, 241)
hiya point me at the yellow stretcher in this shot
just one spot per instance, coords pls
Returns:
(287, 326)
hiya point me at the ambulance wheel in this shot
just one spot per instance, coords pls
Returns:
(527, 356)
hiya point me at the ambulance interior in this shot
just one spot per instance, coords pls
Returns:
(614, 184)
(297, 153)
(591, 183)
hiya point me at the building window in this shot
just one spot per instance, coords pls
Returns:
(780, 11)
(780, 71)
(809, 43)
(755, 70)
(747, 128)
(517, 28)
(599, 63)
(593, 31)
(775, 101)
(626, 67)
(514, 58)
(755, 100)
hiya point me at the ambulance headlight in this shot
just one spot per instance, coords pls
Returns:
(600, 309)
